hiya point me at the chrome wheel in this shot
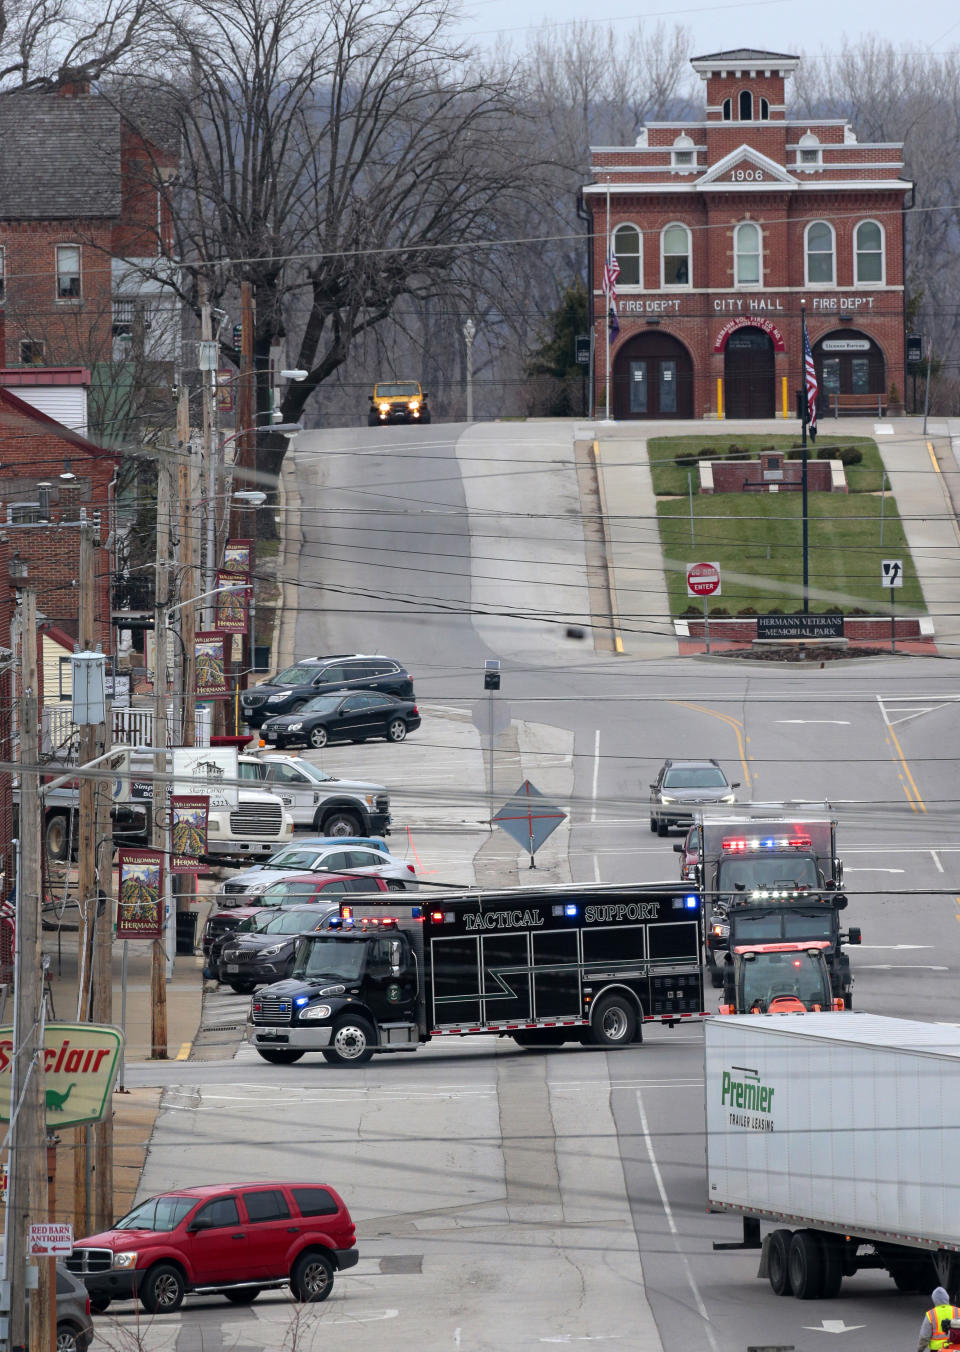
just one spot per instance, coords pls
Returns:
(397, 730)
(351, 1041)
(312, 1277)
(67, 1339)
(614, 1023)
(318, 737)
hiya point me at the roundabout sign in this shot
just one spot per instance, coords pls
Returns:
(703, 579)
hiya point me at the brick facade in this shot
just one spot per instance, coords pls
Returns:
(34, 450)
(677, 353)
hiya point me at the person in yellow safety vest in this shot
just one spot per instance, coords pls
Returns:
(934, 1331)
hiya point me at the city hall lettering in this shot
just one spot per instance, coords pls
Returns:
(746, 214)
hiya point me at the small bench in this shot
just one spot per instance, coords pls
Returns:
(859, 403)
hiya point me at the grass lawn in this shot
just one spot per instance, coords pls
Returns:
(757, 540)
(671, 479)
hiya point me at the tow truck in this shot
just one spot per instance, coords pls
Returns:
(772, 863)
(542, 966)
(778, 979)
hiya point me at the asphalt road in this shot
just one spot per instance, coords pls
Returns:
(507, 1199)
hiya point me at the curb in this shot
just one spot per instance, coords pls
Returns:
(607, 551)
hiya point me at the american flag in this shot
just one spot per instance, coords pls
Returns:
(810, 380)
(611, 272)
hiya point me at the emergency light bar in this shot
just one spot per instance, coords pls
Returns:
(740, 844)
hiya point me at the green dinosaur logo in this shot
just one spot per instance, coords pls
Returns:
(57, 1102)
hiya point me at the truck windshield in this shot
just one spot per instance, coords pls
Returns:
(160, 1213)
(331, 958)
(767, 871)
(401, 389)
(769, 975)
(786, 924)
(294, 676)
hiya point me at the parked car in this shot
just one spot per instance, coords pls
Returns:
(681, 787)
(689, 851)
(74, 1325)
(188, 1240)
(343, 717)
(318, 676)
(349, 857)
(264, 952)
(326, 804)
(295, 890)
(398, 401)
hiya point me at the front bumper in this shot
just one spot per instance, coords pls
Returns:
(116, 1284)
(235, 848)
(298, 1037)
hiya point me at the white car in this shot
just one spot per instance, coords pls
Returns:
(326, 856)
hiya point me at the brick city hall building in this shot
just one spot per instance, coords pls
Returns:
(720, 229)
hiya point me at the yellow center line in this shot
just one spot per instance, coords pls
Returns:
(919, 804)
(731, 722)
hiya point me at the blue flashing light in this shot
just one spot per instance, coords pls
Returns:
(301, 1000)
(692, 903)
(770, 843)
(416, 913)
(570, 909)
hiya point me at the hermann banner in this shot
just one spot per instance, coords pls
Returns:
(189, 828)
(140, 906)
(211, 666)
(238, 558)
(233, 607)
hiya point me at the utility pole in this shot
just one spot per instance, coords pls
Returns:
(209, 451)
(246, 458)
(158, 970)
(86, 879)
(102, 1003)
(27, 1190)
(184, 885)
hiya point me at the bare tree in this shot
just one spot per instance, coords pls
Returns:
(47, 43)
(342, 158)
(892, 95)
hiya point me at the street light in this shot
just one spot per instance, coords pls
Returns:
(469, 333)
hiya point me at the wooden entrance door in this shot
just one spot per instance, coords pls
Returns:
(748, 375)
(653, 378)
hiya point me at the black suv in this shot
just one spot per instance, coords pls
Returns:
(312, 676)
(683, 786)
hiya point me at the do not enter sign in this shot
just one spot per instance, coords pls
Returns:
(703, 579)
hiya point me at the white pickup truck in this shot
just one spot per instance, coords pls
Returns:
(326, 805)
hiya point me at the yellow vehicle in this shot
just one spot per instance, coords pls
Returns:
(398, 401)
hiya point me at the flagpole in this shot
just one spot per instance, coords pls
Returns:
(805, 409)
(606, 307)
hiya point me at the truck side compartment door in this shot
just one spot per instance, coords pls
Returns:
(390, 984)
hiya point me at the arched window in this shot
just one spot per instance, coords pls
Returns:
(682, 154)
(675, 255)
(868, 252)
(746, 106)
(764, 110)
(808, 151)
(747, 254)
(819, 252)
(627, 250)
(727, 109)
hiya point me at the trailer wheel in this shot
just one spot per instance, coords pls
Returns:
(914, 1277)
(778, 1271)
(805, 1265)
(716, 975)
(56, 836)
(614, 1022)
(832, 1266)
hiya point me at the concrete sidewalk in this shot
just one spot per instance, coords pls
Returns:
(923, 472)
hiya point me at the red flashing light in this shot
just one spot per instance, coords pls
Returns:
(347, 912)
(797, 962)
(436, 917)
(800, 842)
(735, 843)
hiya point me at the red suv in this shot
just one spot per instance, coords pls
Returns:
(234, 1239)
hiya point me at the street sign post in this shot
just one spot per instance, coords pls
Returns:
(891, 575)
(703, 580)
(50, 1240)
(529, 818)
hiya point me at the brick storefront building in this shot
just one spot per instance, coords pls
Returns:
(721, 228)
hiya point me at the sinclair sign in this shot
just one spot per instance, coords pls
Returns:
(80, 1062)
